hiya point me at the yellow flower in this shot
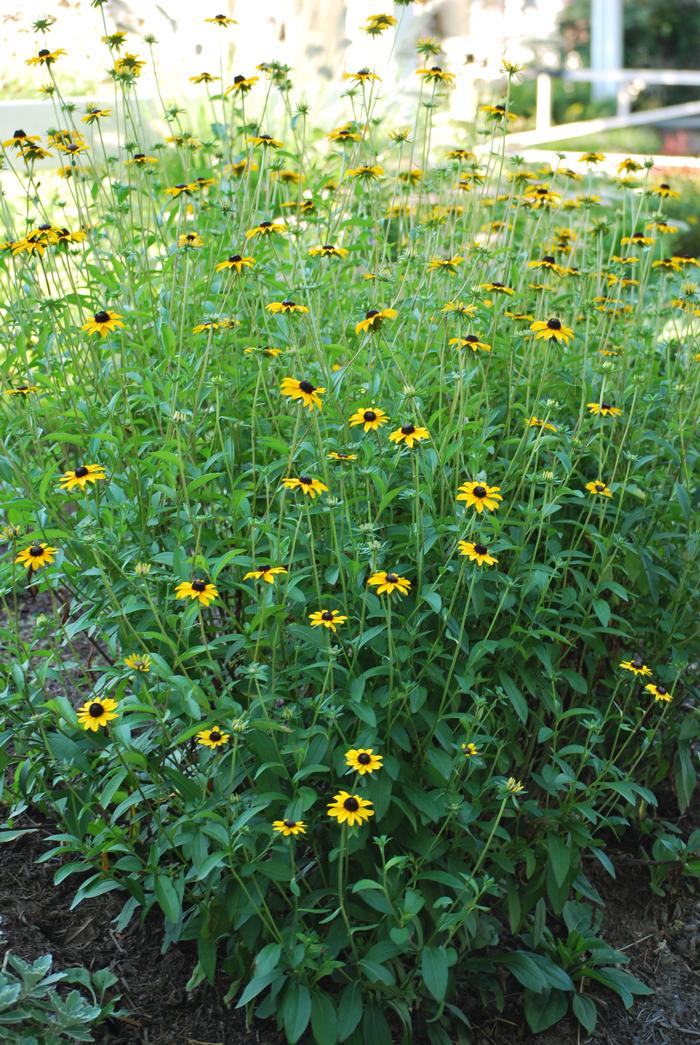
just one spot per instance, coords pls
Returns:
(327, 619)
(366, 172)
(514, 787)
(138, 662)
(20, 140)
(266, 141)
(363, 760)
(638, 239)
(213, 737)
(183, 188)
(21, 390)
(237, 262)
(497, 112)
(535, 422)
(470, 341)
(470, 750)
(223, 20)
(459, 306)
(665, 192)
(447, 264)
(389, 583)
(436, 75)
(190, 239)
(371, 420)
(658, 692)
(350, 809)
(289, 827)
(477, 553)
(266, 228)
(552, 328)
(604, 409)
(93, 115)
(374, 319)
(306, 484)
(97, 712)
(598, 489)
(496, 288)
(103, 323)
(285, 306)
(199, 590)
(480, 496)
(591, 157)
(80, 476)
(265, 573)
(361, 76)
(637, 667)
(203, 78)
(310, 395)
(45, 57)
(409, 434)
(36, 556)
(334, 455)
(328, 250)
(129, 65)
(378, 23)
(242, 84)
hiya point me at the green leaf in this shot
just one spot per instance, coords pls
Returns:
(349, 1011)
(434, 970)
(324, 1019)
(167, 897)
(296, 1010)
(559, 858)
(543, 1011)
(585, 1011)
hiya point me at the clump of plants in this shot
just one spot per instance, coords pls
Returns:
(348, 577)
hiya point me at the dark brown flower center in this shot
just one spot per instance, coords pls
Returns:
(234, 258)
(19, 134)
(392, 578)
(305, 480)
(498, 286)
(554, 324)
(480, 549)
(215, 735)
(328, 247)
(102, 317)
(96, 709)
(239, 79)
(479, 491)
(43, 52)
(307, 387)
(139, 155)
(408, 429)
(288, 304)
(351, 804)
(198, 586)
(663, 185)
(36, 550)
(372, 313)
(81, 472)
(364, 759)
(44, 228)
(605, 406)
(327, 615)
(661, 689)
(436, 69)
(369, 415)
(290, 823)
(264, 137)
(599, 487)
(265, 225)
(637, 663)
(548, 260)
(363, 72)
(471, 338)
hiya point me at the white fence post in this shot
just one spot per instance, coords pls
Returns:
(543, 108)
(606, 43)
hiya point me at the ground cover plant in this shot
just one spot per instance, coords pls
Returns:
(365, 472)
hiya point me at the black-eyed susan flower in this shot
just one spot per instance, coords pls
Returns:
(377, 24)
(215, 324)
(103, 323)
(480, 496)
(214, 737)
(658, 692)
(20, 139)
(436, 74)
(536, 422)
(461, 307)
(470, 749)
(265, 573)
(374, 319)
(497, 113)
(363, 760)
(546, 330)
(183, 188)
(476, 552)
(140, 159)
(665, 192)
(93, 115)
(637, 667)
(265, 141)
(514, 787)
(604, 409)
(289, 827)
(409, 434)
(21, 390)
(82, 475)
(328, 250)
(309, 486)
(310, 395)
(36, 556)
(97, 712)
(361, 76)
(662, 228)
(350, 809)
(242, 84)
(277, 307)
(346, 134)
(628, 166)
(237, 262)
(198, 590)
(138, 662)
(203, 78)
(445, 264)
(327, 619)
(598, 489)
(45, 57)
(266, 228)
(371, 419)
(366, 172)
(338, 455)
(591, 157)
(190, 240)
(496, 287)
(221, 20)
(470, 341)
(388, 583)
(546, 262)
(637, 239)
(129, 66)
(463, 155)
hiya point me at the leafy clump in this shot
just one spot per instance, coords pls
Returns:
(353, 480)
